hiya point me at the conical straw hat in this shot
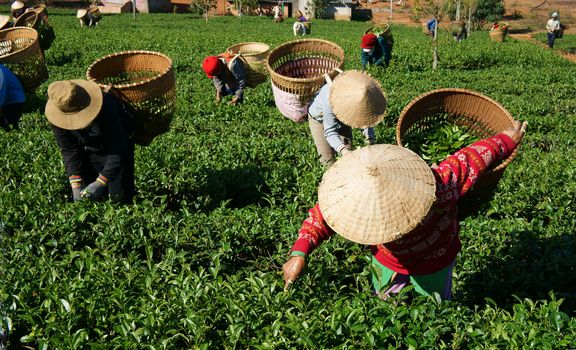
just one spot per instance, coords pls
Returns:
(81, 13)
(4, 21)
(377, 194)
(357, 99)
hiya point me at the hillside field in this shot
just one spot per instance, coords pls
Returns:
(196, 262)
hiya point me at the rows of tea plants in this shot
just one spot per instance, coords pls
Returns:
(196, 261)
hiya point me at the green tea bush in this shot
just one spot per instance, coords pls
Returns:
(196, 261)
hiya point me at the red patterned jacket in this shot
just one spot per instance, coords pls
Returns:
(434, 244)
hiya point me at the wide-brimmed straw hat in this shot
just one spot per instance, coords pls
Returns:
(357, 99)
(17, 5)
(81, 13)
(73, 104)
(4, 21)
(377, 194)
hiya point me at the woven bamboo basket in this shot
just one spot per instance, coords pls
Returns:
(145, 82)
(20, 51)
(298, 66)
(251, 51)
(95, 10)
(478, 114)
(497, 35)
(41, 10)
(32, 19)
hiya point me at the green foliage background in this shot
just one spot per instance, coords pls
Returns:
(196, 261)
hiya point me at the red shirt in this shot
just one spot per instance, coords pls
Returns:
(434, 244)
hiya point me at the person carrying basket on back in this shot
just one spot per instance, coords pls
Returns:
(299, 26)
(12, 99)
(93, 130)
(228, 74)
(353, 100)
(89, 17)
(387, 197)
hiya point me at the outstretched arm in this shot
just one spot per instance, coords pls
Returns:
(460, 171)
(313, 232)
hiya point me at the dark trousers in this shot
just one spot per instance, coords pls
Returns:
(551, 37)
(11, 115)
(121, 189)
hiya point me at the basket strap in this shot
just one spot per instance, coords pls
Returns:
(327, 77)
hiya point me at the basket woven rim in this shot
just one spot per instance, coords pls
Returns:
(130, 52)
(24, 16)
(250, 43)
(417, 99)
(31, 30)
(295, 42)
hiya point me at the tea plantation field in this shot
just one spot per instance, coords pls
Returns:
(196, 261)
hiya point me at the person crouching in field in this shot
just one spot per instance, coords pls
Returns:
(353, 100)
(228, 75)
(17, 9)
(93, 131)
(386, 196)
(299, 26)
(12, 99)
(88, 18)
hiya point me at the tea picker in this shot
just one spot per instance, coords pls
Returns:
(89, 17)
(553, 28)
(387, 197)
(17, 9)
(228, 74)
(12, 99)
(352, 100)
(92, 129)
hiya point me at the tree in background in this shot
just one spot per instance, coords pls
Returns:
(316, 8)
(202, 7)
(489, 10)
(436, 9)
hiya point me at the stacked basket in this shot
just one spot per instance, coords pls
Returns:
(479, 115)
(33, 19)
(297, 70)
(145, 82)
(20, 51)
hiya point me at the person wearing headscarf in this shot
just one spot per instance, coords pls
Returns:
(12, 99)
(387, 197)
(368, 50)
(299, 26)
(353, 100)
(552, 26)
(278, 16)
(17, 9)
(228, 75)
(93, 131)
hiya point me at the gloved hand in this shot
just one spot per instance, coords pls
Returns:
(76, 185)
(95, 190)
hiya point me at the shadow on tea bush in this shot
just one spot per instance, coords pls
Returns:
(232, 188)
(530, 267)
